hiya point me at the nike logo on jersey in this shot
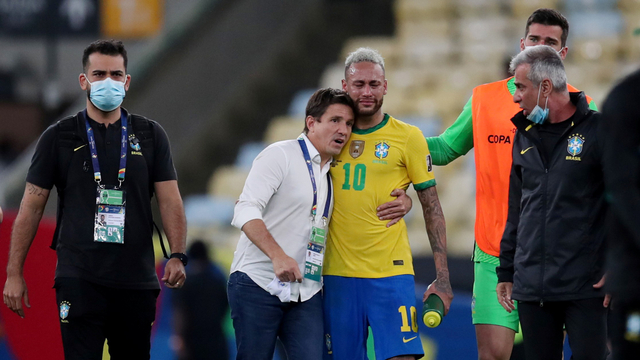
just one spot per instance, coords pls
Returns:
(525, 150)
(79, 147)
(407, 340)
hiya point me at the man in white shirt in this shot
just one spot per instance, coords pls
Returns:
(283, 211)
(274, 286)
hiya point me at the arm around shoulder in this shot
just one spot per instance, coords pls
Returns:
(456, 141)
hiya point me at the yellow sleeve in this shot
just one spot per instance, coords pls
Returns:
(418, 161)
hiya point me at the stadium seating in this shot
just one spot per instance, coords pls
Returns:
(441, 50)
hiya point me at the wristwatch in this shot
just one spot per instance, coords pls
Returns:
(182, 257)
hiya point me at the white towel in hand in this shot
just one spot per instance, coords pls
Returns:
(280, 289)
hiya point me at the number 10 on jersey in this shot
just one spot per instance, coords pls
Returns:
(359, 177)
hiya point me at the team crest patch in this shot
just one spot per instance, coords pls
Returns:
(64, 310)
(575, 146)
(576, 142)
(473, 305)
(356, 148)
(134, 142)
(327, 342)
(382, 149)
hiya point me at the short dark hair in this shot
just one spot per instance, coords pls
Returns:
(199, 250)
(549, 17)
(105, 47)
(322, 99)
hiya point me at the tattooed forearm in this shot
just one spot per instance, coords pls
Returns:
(35, 190)
(434, 219)
(436, 228)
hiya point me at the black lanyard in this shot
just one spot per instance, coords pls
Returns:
(307, 159)
(94, 153)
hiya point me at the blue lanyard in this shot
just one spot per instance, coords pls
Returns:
(94, 153)
(307, 159)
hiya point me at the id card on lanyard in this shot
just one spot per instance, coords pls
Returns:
(108, 226)
(318, 236)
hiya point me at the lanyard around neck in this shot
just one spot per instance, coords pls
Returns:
(307, 159)
(94, 153)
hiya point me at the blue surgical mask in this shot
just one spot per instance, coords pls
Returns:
(106, 94)
(538, 115)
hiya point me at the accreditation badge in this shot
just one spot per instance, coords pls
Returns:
(110, 213)
(315, 254)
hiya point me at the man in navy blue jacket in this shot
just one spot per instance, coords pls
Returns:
(552, 250)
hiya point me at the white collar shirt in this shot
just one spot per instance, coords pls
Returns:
(278, 191)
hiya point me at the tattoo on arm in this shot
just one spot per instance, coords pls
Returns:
(35, 190)
(436, 228)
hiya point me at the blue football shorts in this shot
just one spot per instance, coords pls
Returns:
(387, 305)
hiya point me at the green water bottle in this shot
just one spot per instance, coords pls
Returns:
(432, 311)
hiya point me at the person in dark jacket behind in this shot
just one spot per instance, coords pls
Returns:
(552, 250)
(201, 308)
(622, 180)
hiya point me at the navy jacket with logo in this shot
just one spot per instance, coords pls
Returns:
(553, 244)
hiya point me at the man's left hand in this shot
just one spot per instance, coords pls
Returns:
(174, 274)
(607, 297)
(396, 209)
(442, 288)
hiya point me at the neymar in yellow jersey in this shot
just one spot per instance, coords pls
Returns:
(368, 271)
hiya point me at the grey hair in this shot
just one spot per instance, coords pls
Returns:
(545, 64)
(363, 54)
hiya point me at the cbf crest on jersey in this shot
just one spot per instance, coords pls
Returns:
(575, 146)
(65, 306)
(356, 148)
(382, 149)
(134, 142)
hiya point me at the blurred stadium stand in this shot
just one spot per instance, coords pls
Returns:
(228, 77)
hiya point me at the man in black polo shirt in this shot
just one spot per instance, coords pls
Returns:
(106, 165)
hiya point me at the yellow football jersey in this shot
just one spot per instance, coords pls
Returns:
(371, 165)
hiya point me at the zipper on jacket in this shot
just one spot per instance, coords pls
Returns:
(543, 232)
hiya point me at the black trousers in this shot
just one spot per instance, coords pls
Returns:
(625, 329)
(543, 335)
(90, 313)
